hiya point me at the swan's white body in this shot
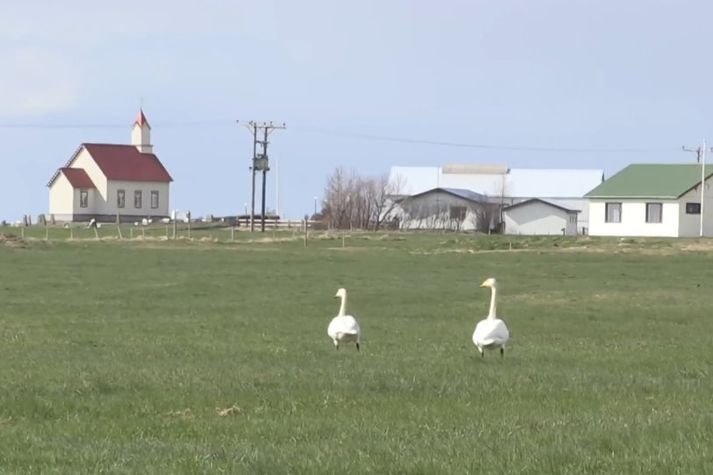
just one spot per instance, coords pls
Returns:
(344, 328)
(491, 333)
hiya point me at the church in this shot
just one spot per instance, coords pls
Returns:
(110, 182)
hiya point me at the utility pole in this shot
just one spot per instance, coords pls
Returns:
(260, 162)
(701, 158)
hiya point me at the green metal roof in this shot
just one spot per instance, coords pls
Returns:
(655, 180)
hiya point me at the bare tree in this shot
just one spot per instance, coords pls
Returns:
(485, 216)
(337, 198)
(383, 195)
(456, 215)
(352, 201)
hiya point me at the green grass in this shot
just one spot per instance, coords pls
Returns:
(114, 356)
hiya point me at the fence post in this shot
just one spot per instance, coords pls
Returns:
(189, 224)
(118, 225)
(174, 227)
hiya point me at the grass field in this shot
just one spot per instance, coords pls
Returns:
(116, 357)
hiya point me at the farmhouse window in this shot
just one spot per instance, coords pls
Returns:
(83, 198)
(613, 213)
(457, 213)
(154, 199)
(653, 212)
(137, 199)
(120, 198)
(693, 208)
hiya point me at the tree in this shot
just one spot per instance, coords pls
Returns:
(353, 201)
(382, 195)
(485, 216)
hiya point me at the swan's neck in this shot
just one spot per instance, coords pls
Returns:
(493, 292)
(343, 307)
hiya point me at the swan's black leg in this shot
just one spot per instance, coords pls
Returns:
(502, 351)
(357, 345)
(482, 353)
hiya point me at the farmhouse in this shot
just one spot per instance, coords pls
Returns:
(560, 195)
(652, 200)
(110, 181)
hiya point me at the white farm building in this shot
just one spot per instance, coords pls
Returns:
(110, 181)
(537, 216)
(552, 200)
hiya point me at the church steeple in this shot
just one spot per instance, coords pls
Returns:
(141, 134)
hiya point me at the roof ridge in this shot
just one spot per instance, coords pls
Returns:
(112, 144)
(651, 181)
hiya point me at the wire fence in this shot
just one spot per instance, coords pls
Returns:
(220, 231)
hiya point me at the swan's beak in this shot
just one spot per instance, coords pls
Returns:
(485, 284)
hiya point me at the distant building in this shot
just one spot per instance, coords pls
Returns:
(562, 190)
(539, 217)
(443, 208)
(652, 200)
(103, 181)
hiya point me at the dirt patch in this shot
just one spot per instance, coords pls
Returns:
(10, 240)
(355, 249)
(705, 246)
(233, 410)
(184, 414)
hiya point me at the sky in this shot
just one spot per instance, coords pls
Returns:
(360, 84)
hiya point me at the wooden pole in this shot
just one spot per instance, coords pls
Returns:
(118, 225)
(175, 221)
(305, 235)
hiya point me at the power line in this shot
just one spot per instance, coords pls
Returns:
(46, 126)
(520, 148)
(352, 135)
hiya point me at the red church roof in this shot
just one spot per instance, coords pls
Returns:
(78, 178)
(141, 119)
(126, 163)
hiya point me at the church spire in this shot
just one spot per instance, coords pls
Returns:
(141, 118)
(141, 133)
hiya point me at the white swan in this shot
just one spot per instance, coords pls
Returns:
(492, 332)
(343, 328)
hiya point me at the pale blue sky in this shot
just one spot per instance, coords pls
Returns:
(599, 74)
